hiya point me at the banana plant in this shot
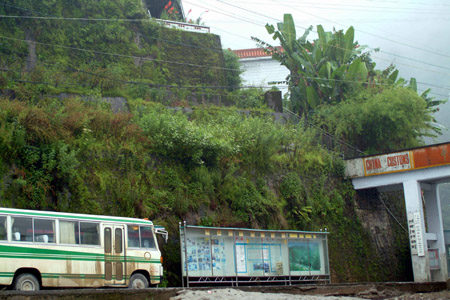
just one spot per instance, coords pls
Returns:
(320, 71)
(432, 106)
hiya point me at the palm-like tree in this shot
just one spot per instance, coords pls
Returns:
(320, 71)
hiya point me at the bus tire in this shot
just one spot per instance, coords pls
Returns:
(26, 282)
(138, 281)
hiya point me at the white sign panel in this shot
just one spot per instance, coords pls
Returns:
(241, 262)
(388, 163)
(415, 234)
(419, 234)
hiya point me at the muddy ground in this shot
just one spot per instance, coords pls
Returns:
(386, 290)
(231, 294)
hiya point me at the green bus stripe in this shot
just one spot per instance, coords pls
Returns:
(76, 276)
(39, 253)
(6, 274)
(97, 258)
(86, 276)
(14, 249)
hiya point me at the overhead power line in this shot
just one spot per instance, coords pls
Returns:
(121, 55)
(404, 2)
(249, 21)
(227, 14)
(347, 7)
(75, 70)
(204, 89)
(215, 49)
(377, 36)
(130, 56)
(389, 53)
(74, 19)
(246, 20)
(188, 45)
(113, 20)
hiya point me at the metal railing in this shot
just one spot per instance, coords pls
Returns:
(184, 26)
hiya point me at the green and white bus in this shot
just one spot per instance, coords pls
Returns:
(52, 249)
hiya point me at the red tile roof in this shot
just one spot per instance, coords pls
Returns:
(253, 53)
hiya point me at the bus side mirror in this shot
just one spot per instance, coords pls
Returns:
(162, 231)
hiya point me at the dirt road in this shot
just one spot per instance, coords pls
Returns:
(232, 294)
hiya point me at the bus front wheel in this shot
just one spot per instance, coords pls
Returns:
(138, 281)
(26, 282)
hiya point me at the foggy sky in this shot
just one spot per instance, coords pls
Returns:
(414, 35)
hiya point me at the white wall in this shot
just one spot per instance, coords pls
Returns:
(260, 71)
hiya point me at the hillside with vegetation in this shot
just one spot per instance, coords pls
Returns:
(334, 83)
(105, 49)
(209, 165)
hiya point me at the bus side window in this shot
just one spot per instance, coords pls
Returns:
(3, 230)
(133, 236)
(22, 229)
(69, 232)
(89, 233)
(147, 239)
(44, 231)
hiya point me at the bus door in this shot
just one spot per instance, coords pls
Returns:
(114, 254)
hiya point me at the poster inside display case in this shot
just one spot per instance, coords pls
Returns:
(219, 259)
(198, 254)
(304, 256)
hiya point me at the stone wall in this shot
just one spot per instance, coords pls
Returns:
(383, 215)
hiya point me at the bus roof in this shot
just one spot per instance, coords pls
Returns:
(87, 217)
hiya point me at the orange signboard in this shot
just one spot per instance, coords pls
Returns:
(430, 156)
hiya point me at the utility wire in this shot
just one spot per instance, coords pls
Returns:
(437, 66)
(227, 14)
(238, 7)
(390, 213)
(97, 52)
(226, 96)
(345, 5)
(279, 82)
(246, 20)
(335, 7)
(403, 3)
(283, 82)
(120, 55)
(48, 17)
(74, 19)
(130, 20)
(393, 54)
(113, 20)
(143, 20)
(410, 66)
(74, 69)
(378, 36)
(154, 87)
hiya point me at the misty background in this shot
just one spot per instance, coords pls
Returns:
(412, 35)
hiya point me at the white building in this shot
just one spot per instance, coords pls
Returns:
(260, 69)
